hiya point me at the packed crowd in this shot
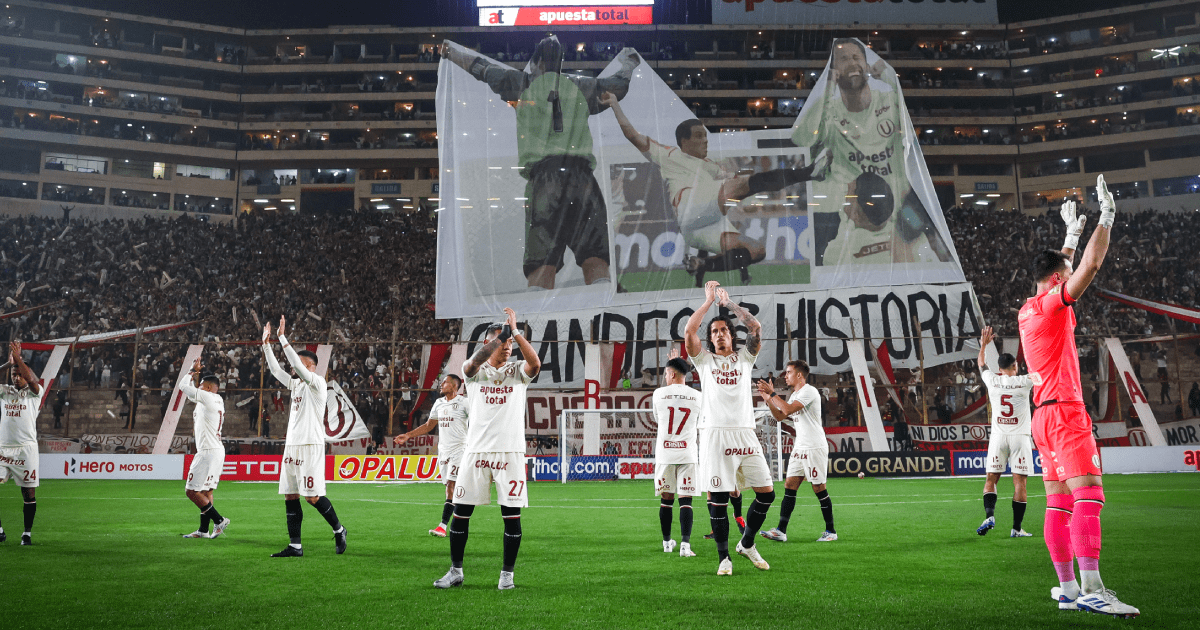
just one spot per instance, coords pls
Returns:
(360, 272)
(1152, 256)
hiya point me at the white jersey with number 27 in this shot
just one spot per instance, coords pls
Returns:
(1009, 396)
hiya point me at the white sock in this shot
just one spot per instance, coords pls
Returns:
(1070, 589)
(339, 530)
(294, 545)
(1091, 581)
(30, 534)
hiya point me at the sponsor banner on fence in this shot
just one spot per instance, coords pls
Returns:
(246, 467)
(898, 464)
(385, 468)
(820, 321)
(631, 468)
(1142, 459)
(1182, 432)
(104, 466)
(854, 12)
(59, 446)
(975, 463)
(136, 441)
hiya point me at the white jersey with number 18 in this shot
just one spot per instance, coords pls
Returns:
(1009, 396)
(677, 411)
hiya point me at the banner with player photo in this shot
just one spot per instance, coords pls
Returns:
(563, 192)
(817, 322)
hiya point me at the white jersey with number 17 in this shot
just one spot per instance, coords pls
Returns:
(677, 411)
(1009, 396)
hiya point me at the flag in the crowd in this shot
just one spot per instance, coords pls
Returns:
(342, 420)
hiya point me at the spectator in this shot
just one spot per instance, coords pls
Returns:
(1194, 399)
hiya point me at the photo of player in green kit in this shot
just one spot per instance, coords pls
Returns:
(564, 205)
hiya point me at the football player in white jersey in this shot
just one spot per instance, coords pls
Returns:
(677, 411)
(18, 436)
(449, 416)
(205, 472)
(699, 189)
(861, 119)
(731, 456)
(495, 448)
(810, 450)
(1011, 444)
(303, 473)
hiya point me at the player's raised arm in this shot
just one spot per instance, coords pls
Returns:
(639, 141)
(985, 338)
(503, 80)
(617, 83)
(272, 363)
(1074, 227)
(533, 363)
(779, 406)
(22, 369)
(187, 382)
(302, 371)
(1097, 247)
(753, 327)
(691, 338)
(429, 425)
(476, 361)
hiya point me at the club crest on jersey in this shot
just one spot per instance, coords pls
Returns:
(886, 128)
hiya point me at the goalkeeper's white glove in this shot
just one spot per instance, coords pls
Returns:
(1074, 224)
(1108, 208)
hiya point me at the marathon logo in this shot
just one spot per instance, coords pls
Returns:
(542, 16)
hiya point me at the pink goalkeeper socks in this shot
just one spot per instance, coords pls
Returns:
(1057, 532)
(1085, 525)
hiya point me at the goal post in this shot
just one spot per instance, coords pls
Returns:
(607, 444)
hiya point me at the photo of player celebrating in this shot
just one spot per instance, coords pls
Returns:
(700, 190)
(860, 117)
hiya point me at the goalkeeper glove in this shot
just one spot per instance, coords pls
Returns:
(1108, 208)
(1074, 225)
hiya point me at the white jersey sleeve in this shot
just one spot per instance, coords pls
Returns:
(452, 419)
(807, 420)
(677, 411)
(496, 400)
(18, 425)
(1009, 397)
(725, 389)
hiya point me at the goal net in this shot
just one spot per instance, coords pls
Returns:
(606, 444)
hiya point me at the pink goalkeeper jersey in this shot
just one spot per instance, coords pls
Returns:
(1047, 325)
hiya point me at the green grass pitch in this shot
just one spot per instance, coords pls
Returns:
(107, 554)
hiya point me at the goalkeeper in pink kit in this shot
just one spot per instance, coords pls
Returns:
(1062, 428)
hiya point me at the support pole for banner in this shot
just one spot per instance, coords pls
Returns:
(921, 357)
(137, 339)
(779, 472)
(1180, 392)
(787, 330)
(658, 380)
(392, 379)
(563, 454)
(70, 389)
(262, 393)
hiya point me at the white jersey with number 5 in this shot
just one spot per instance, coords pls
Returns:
(726, 399)
(496, 399)
(18, 426)
(1009, 396)
(677, 411)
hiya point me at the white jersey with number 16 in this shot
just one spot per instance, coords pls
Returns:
(677, 411)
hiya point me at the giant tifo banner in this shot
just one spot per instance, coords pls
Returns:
(818, 322)
(564, 193)
(854, 12)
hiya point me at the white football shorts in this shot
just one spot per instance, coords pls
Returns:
(812, 464)
(303, 470)
(20, 463)
(478, 471)
(731, 459)
(205, 472)
(677, 479)
(1010, 450)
